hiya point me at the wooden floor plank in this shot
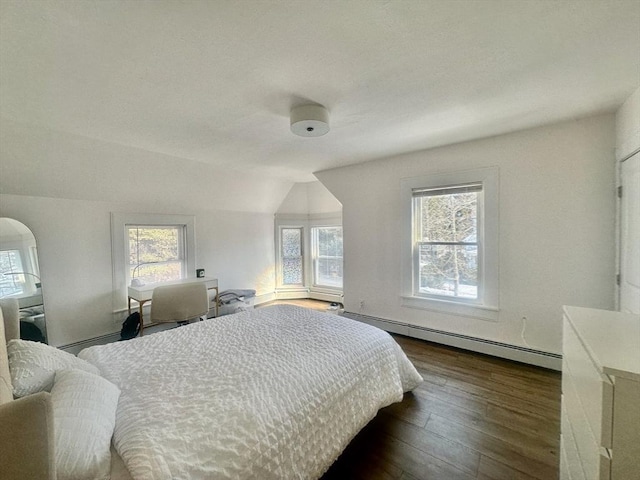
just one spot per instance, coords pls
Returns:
(517, 456)
(534, 403)
(546, 428)
(455, 454)
(445, 399)
(541, 447)
(418, 463)
(492, 470)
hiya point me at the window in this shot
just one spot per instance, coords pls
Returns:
(327, 256)
(450, 248)
(33, 252)
(292, 260)
(446, 241)
(11, 283)
(153, 248)
(156, 253)
(309, 256)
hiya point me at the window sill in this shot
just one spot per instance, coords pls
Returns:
(482, 312)
(326, 289)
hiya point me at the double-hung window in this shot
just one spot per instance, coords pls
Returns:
(292, 260)
(450, 248)
(150, 248)
(327, 256)
(156, 253)
(445, 228)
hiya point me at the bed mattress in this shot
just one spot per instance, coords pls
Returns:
(276, 392)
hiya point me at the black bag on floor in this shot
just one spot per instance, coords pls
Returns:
(29, 331)
(130, 327)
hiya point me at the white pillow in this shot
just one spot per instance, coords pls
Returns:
(84, 416)
(33, 366)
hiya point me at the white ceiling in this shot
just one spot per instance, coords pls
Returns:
(214, 81)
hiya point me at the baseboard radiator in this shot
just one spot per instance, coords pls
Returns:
(90, 342)
(531, 356)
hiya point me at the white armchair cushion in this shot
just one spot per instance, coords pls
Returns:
(84, 416)
(33, 366)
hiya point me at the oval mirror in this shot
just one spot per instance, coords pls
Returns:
(20, 277)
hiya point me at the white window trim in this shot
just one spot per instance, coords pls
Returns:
(487, 306)
(119, 238)
(313, 285)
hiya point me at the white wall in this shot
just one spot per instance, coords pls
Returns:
(74, 247)
(557, 213)
(308, 199)
(64, 188)
(45, 163)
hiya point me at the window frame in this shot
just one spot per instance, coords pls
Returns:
(281, 257)
(120, 240)
(486, 306)
(478, 243)
(315, 256)
(181, 259)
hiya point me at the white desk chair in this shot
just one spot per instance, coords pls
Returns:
(179, 303)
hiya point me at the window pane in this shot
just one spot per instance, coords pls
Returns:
(449, 218)
(11, 284)
(327, 256)
(329, 272)
(291, 242)
(156, 253)
(292, 271)
(291, 256)
(449, 270)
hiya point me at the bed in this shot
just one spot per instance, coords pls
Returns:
(276, 392)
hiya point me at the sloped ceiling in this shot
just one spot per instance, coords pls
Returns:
(214, 81)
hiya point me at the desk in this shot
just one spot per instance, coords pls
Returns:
(144, 293)
(26, 300)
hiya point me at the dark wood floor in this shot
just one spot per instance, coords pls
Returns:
(474, 417)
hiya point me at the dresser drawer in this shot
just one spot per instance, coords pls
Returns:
(596, 462)
(570, 465)
(593, 388)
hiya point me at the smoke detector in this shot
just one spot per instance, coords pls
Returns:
(309, 120)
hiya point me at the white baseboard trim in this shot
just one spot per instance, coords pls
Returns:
(264, 298)
(302, 294)
(292, 294)
(327, 296)
(530, 356)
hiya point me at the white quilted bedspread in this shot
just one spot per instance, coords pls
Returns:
(276, 392)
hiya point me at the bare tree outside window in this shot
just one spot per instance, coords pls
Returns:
(446, 243)
(156, 253)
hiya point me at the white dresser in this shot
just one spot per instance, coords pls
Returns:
(600, 395)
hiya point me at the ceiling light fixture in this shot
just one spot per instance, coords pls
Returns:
(309, 120)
